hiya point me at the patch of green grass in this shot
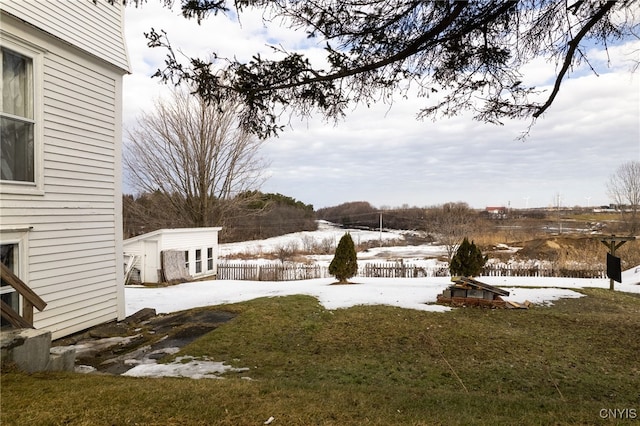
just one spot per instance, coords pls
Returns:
(372, 365)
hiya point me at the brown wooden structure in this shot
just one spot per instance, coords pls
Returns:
(469, 292)
(614, 243)
(29, 301)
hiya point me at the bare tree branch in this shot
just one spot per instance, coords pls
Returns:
(573, 47)
(460, 55)
(195, 155)
(623, 188)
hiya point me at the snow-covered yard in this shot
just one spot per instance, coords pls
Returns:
(409, 293)
(412, 293)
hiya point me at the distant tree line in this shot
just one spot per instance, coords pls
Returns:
(361, 214)
(250, 215)
(269, 215)
(255, 215)
(448, 223)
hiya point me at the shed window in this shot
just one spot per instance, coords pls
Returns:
(198, 261)
(210, 259)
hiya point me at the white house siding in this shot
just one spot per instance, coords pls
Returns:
(74, 256)
(96, 27)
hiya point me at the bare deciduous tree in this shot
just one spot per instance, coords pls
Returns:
(624, 189)
(195, 155)
(286, 251)
(451, 223)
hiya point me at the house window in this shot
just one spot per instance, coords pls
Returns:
(17, 119)
(198, 261)
(9, 254)
(210, 259)
(21, 117)
(186, 259)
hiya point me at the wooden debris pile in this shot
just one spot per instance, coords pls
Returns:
(469, 292)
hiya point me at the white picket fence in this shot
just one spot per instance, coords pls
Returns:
(294, 272)
(270, 272)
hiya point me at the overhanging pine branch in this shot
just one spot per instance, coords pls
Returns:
(403, 54)
(573, 47)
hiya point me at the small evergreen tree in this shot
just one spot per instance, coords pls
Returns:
(344, 264)
(468, 260)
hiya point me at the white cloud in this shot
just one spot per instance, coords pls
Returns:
(385, 156)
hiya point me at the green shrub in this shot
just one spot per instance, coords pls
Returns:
(468, 260)
(344, 264)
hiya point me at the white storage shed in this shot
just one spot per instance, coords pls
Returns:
(197, 246)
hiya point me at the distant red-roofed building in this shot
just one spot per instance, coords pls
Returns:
(496, 212)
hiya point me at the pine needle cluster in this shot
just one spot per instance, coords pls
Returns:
(468, 260)
(344, 264)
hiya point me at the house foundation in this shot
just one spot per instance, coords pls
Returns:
(30, 350)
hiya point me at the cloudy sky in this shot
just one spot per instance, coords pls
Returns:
(385, 156)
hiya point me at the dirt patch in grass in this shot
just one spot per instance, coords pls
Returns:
(557, 248)
(116, 347)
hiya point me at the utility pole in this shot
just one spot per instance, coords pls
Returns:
(380, 229)
(558, 211)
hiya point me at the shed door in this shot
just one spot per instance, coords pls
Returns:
(150, 272)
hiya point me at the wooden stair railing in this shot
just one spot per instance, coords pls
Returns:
(29, 300)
